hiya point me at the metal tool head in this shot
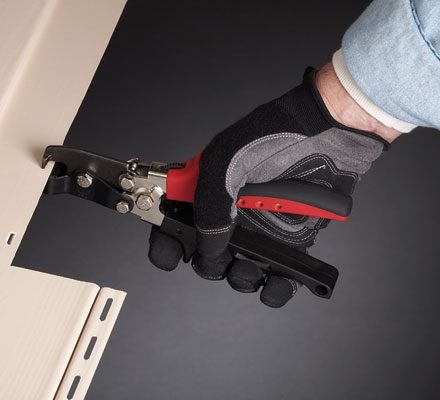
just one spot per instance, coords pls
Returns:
(128, 186)
(108, 169)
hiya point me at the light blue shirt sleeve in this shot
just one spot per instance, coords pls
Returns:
(392, 52)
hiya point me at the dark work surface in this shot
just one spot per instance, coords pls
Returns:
(174, 74)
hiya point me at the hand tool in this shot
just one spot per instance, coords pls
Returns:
(162, 194)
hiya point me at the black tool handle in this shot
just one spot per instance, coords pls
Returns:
(274, 257)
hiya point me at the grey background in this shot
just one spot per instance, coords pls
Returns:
(174, 74)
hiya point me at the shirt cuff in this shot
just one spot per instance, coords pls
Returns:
(359, 97)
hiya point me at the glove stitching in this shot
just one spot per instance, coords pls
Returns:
(299, 231)
(321, 182)
(281, 231)
(294, 286)
(310, 171)
(299, 164)
(273, 233)
(249, 146)
(326, 160)
(288, 220)
(214, 231)
(204, 276)
(296, 233)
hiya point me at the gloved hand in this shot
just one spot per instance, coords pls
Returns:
(291, 137)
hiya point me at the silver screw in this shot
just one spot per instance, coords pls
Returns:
(127, 183)
(144, 202)
(123, 207)
(84, 180)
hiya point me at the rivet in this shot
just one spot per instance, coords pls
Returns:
(127, 183)
(144, 202)
(84, 181)
(122, 207)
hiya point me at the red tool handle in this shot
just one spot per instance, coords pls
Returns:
(291, 197)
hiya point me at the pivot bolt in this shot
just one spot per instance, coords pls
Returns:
(84, 180)
(123, 207)
(127, 183)
(144, 202)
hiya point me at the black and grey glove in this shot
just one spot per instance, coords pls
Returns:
(291, 137)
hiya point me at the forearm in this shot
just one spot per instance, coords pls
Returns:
(345, 109)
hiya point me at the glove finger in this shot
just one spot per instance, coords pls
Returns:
(277, 291)
(212, 268)
(245, 276)
(165, 252)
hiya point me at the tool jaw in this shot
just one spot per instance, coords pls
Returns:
(127, 187)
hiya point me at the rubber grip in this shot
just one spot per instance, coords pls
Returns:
(290, 197)
(296, 197)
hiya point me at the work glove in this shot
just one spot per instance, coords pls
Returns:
(293, 137)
